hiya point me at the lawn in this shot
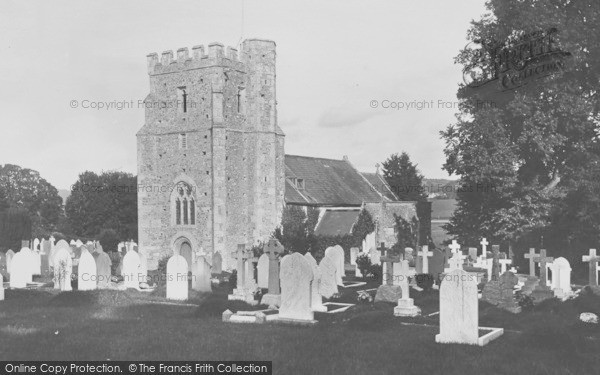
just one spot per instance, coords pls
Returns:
(367, 339)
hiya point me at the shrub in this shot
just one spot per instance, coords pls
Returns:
(233, 280)
(425, 280)
(376, 272)
(162, 270)
(364, 264)
(109, 240)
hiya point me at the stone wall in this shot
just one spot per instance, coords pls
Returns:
(225, 145)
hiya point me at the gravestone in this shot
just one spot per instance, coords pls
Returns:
(503, 264)
(406, 306)
(37, 261)
(336, 253)
(46, 247)
(217, 263)
(251, 283)
(484, 244)
(3, 270)
(273, 249)
(201, 275)
(375, 256)
(131, 270)
(389, 290)
(177, 277)
(328, 285)
(409, 255)
(456, 262)
(561, 270)
(353, 254)
(473, 254)
(436, 266)
(31, 262)
(1, 287)
(103, 267)
(296, 276)
(316, 299)
(86, 272)
(459, 314)
(492, 291)
(9, 256)
(263, 271)
(532, 281)
(507, 301)
(241, 293)
(592, 259)
(63, 266)
(542, 292)
(20, 269)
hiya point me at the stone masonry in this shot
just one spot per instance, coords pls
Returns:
(210, 154)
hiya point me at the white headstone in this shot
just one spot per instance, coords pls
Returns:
(353, 254)
(328, 286)
(9, 256)
(177, 277)
(296, 276)
(87, 272)
(561, 275)
(375, 256)
(336, 253)
(459, 314)
(20, 269)
(131, 270)
(1, 288)
(316, 303)
(263, 271)
(63, 266)
(201, 275)
(217, 262)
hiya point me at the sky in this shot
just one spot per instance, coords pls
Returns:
(364, 79)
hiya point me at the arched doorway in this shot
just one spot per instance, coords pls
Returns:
(185, 250)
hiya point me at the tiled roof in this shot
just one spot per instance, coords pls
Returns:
(336, 222)
(381, 185)
(327, 182)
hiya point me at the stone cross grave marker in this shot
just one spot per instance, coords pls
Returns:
(593, 260)
(495, 262)
(389, 260)
(273, 250)
(406, 306)
(296, 277)
(423, 257)
(542, 291)
(531, 256)
(242, 293)
(503, 264)
(484, 244)
(177, 277)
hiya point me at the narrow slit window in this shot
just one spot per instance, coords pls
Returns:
(178, 212)
(185, 212)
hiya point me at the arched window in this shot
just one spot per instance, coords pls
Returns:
(185, 211)
(192, 211)
(184, 205)
(177, 211)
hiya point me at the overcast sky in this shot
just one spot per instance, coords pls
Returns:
(334, 58)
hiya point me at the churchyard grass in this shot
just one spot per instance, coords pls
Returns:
(100, 325)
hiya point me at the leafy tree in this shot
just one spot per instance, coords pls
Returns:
(105, 201)
(404, 178)
(529, 159)
(363, 226)
(24, 188)
(15, 226)
(293, 233)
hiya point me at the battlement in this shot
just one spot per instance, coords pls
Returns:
(168, 62)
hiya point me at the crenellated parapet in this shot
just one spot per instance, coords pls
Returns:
(215, 55)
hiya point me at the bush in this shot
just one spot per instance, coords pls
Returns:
(162, 270)
(109, 240)
(376, 272)
(233, 280)
(364, 264)
(425, 280)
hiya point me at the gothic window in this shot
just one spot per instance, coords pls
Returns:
(182, 99)
(184, 205)
(241, 99)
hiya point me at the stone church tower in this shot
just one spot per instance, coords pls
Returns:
(210, 154)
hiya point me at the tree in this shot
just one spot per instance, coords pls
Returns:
(105, 201)
(15, 226)
(404, 178)
(528, 157)
(293, 233)
(24, 188)
(363, 226)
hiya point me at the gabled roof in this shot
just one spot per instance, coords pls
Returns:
(336, 222)
(380, 184)
(327, 182)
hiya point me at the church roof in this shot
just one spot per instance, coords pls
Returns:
(326, 182)
(337, 222)
(380, 184)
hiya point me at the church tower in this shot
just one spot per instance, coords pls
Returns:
(210, 154)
